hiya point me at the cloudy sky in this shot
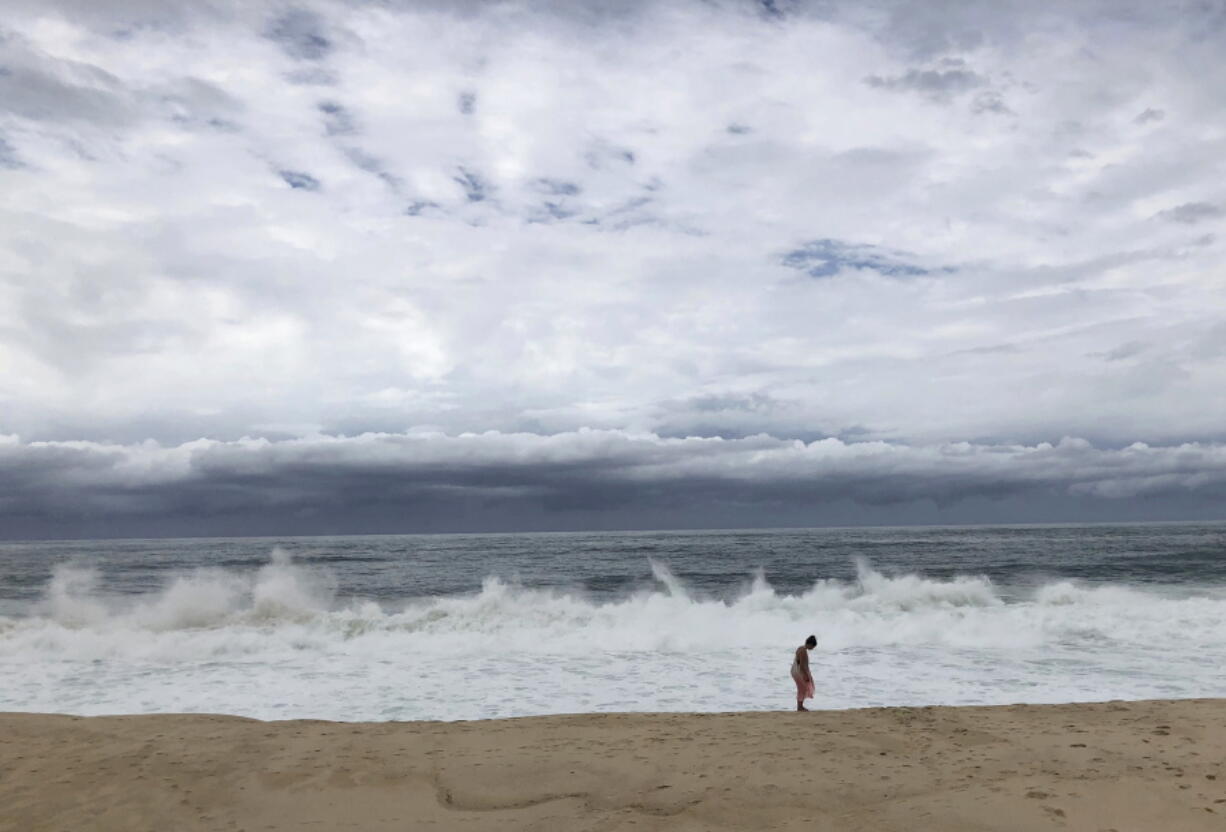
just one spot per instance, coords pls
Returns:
(333, 266)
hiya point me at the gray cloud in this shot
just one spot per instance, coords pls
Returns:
(1124, 351)
(312, 76)
(338, 120)
(37, 87)
(933, 82)
(372, 165)
(8, 155)
(990, 101)
(299, 180)
(476, 187)
(826, 258)
(416, 207)
(301, 34)
(226, 219)
(1190, 213)
(613, 471)
(556, 187)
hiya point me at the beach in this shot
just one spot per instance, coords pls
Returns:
(1152, 765)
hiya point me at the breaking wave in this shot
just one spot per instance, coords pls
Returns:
(872, 610)
(279, 641)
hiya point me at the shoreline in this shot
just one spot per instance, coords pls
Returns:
(1122, 765)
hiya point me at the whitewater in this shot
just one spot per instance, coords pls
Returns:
(298, 635)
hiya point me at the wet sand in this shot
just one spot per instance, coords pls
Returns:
(1144, 766)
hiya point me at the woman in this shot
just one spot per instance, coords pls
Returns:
(801, 675)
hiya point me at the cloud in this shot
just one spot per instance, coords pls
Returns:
(826, 258)
(475, 186)
(561, 473)
(8, 155)
(1190, 213)
(338, 120)
(38, 87)
(301, 34)
(1125, 351)
(932, 82)
(556, 187)
(298, 180)
(990, 101)
(224, 219)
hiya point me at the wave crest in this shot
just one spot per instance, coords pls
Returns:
(284, 602)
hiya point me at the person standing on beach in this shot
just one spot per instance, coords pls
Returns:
(801, 675)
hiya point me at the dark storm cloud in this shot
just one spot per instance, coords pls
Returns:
(583, 470)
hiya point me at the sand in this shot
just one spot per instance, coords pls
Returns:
(1123, 766)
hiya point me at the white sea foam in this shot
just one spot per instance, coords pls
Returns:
(280, 643)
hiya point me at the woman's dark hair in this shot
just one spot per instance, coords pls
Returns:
(811, 641)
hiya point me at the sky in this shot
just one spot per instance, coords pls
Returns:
(344, 267)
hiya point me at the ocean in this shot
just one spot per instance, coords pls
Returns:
(471, 626)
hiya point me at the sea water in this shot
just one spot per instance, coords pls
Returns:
(473, 626)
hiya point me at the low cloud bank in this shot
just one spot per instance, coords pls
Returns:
(581, 471)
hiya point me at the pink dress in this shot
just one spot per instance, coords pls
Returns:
(804, 688)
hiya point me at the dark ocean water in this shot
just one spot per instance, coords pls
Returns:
(370, 627)
(609, 564)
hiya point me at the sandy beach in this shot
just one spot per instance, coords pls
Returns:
(1121, 766)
